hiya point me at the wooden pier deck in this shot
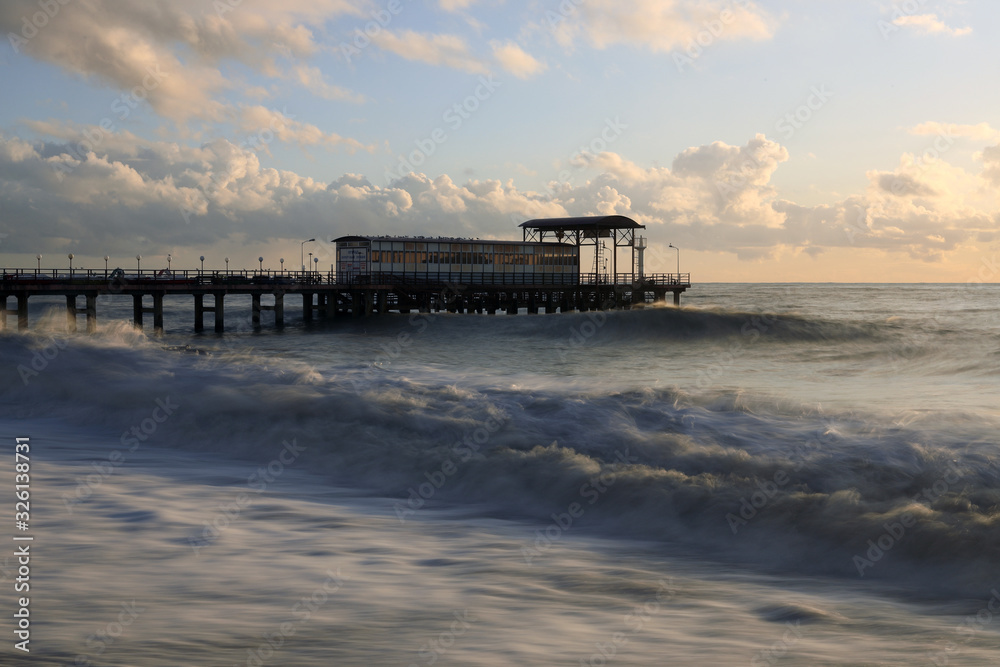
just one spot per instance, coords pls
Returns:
(323, 297)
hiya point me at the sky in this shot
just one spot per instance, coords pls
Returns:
(770, 141)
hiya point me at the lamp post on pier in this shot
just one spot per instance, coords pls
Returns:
(203, 264)
(671, 245)
(301, 246)
(138, 265)
(70, 265)
(39, 258)
(106, 258)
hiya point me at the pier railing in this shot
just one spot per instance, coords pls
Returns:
(84, 277)
(167, 276)
(423, 278)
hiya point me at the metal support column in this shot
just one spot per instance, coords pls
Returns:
(22, 311)
(199, 313)
(307, 306)
(279, 309)
(137, 310)
(71, 313)
(91, 310)
(220, 312)
(158, 312)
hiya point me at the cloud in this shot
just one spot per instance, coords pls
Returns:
(312, 79)
(515, 60)
(991, 164)
(447, 50)
(177, 45)
(659, 25)
(128, 195)
(980, 132)
(261, 122)
(455, 5)
(930, 24)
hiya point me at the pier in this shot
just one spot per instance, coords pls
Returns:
(323, 297)
(376, 275)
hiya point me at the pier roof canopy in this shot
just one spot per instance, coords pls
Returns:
(586, 230)
(584, 223)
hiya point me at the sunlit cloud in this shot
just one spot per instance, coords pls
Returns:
(512, 58)
(930, 24)
(442, 50)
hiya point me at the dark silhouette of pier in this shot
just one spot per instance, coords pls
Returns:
(323, 296)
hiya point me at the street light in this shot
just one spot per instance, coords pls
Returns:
(168, 262)
(203, 264)
(106, 258)
(301, 246)
(39, 258)
(227, 266)
(261, 260)
(310, 261)
(138, 264)
(671, 245)
(282, 260)
(315, 263)
(70, 265)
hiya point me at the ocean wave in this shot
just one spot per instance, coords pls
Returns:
(652, 324)
(731, 476)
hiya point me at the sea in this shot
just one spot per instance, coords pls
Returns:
(771, 474)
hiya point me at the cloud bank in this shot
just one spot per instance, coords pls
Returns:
(715, 197)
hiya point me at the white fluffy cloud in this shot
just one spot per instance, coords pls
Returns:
(717, 197)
